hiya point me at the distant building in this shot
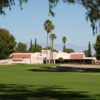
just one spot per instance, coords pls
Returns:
(29, 58)
(74, 58)
(47, 55)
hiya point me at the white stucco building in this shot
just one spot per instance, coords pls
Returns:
(29, 58)
(47, 55)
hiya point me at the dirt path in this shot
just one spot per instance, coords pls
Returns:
(80, 65)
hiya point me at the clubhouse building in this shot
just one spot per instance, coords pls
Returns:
(46, 56)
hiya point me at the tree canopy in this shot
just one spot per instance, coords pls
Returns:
(64, 39)
(97, 47)
(50, 48)
(31, 48)
(89, 50)
(8, 3)
(68, 50)
(7, 43)
(52, 37)
(36, 48)
(21, 47)
(92, 8)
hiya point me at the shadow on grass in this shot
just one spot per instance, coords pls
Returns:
(77, 69)
(65, 69)
(19, 92)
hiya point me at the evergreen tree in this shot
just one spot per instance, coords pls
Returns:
(31, 49)
(89, 50)
(35, 45)
(97, 47)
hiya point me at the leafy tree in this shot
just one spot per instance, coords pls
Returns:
(36, 48)
(50, 48)
(89, 50)
(7, 43)
(31, 48)
(97, 47)
(68, 50)
(64, 41)
(92, 10)
(61, 60)
(86, 53)
(8, 3)
(21, 47)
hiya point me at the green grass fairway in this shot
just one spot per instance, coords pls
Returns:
(37, 82)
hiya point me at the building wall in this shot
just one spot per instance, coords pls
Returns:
(46, 54)
(33, 58)
(39, 57)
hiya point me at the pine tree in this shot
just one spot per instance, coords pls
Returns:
(35, 45)
(97, 47)
(89, 50)
(31, 49)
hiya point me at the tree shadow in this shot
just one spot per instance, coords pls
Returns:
(77, 69)
(64, 69)
(21, 92)
(44, 69)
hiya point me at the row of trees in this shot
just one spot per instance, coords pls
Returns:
(88, 53)
(48, 26)
(96, 47)
(93, 14)
(22, 47)
(9, 45)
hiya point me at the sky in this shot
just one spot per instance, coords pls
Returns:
(27, 24)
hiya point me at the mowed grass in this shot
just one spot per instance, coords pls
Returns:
(28, 82)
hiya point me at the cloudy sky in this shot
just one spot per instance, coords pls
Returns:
(28, 23)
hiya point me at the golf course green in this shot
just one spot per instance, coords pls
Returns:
(40, 82)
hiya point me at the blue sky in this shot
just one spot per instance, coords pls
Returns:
(28, 23)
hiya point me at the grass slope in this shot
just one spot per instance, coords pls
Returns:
(28, 82)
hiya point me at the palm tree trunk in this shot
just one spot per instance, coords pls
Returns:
(47, 49)
(52, 51)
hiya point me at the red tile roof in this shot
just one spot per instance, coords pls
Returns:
(21, 55)
(77, 56)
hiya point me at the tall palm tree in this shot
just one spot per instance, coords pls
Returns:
(52, 37)
(64, 41)
(48, 26)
